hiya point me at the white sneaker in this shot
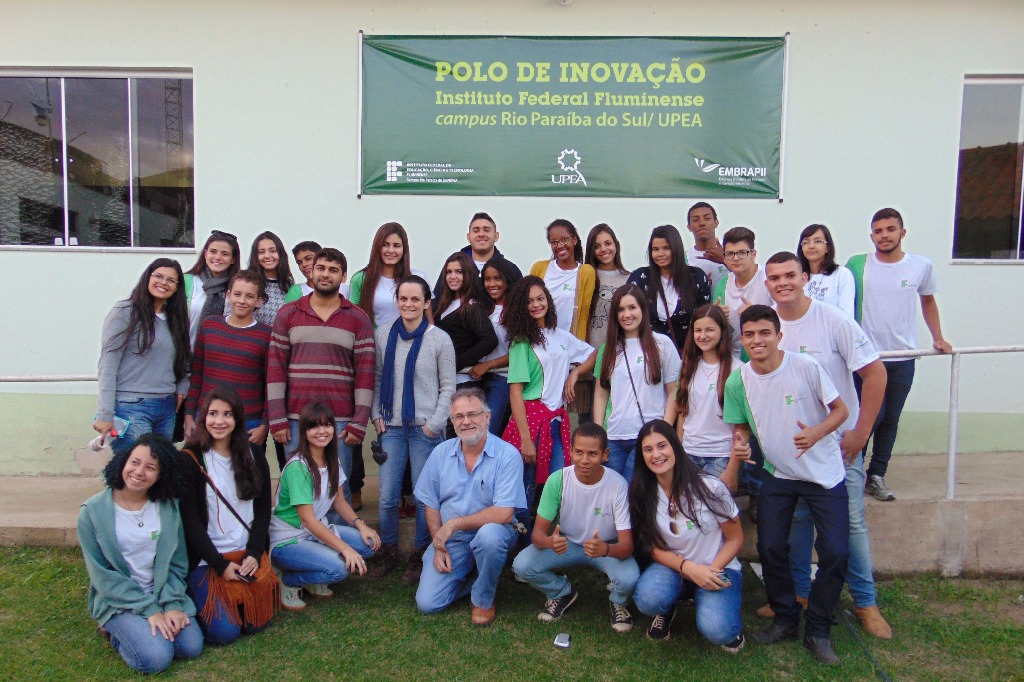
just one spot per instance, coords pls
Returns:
(290, 598)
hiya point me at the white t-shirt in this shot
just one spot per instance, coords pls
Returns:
(307, 290)
(560, 350)
(704, 432)
(138, 543)
(624, 421)
(502, 347)
(837, 289)
(671, 299)
(562, 285)
(698, 543)
(838, 344)
(601, 507)
(714, 271)
(226, 533)
(195, 309)
(891, 292)
(385, 305)
(479, 264)
(755, 292)
(799, 390)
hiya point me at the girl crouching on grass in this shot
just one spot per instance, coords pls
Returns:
(134, 551)
(308, 550)
(689, 524)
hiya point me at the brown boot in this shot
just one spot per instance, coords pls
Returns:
(414, 568)
(872, 621)
(767, 612)
(384, 562)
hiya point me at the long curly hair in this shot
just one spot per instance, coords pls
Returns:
(616, 342)
(142, 320)
(691, 355)
(243, 466)
(169, 481)
(375, 268)
(518, 323)
(687, 489)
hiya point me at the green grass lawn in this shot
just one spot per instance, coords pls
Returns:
(945, 630)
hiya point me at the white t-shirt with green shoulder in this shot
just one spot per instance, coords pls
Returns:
(543, 369)
(295, 488)
(623, 420)
(582, 509)
(772, 404)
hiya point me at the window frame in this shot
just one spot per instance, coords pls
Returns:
(128, 74)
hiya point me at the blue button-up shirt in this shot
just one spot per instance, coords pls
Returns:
(496, 480)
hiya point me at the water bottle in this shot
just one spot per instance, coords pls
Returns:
(98, 443)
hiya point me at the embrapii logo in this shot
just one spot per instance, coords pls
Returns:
(732, 175)
(569, 162)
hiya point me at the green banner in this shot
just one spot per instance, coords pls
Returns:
(556, 116)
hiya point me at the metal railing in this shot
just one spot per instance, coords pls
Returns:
(954, 391)
(954, 395)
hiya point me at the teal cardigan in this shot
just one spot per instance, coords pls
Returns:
(111, 587)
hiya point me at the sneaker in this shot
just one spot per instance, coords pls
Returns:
(622, 619)
(661, 626)
(414, 568)
(290, 596)
(320, 590)
(554, 608)
(383, 563)
(877, 488)
(735, 645)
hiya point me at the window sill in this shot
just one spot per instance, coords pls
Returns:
(986, 261)
(101, 249)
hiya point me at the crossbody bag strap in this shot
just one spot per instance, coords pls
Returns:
(217, 491)
(625, 359)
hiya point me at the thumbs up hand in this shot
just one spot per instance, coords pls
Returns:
(558, 542)
(746, 304)
(596, 547)
(805, 438)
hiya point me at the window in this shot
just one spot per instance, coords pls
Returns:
(988, 190)
(98, 160)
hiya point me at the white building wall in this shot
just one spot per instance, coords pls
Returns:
(873, 120)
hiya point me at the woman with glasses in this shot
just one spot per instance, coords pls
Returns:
(145, 357)
(415, 380)
(570, 281)
(217, 262)
(827, 281)
(688, 523)
(672, 289)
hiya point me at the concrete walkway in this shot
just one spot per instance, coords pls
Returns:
(978, 533)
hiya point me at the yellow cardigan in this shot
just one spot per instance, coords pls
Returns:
(586, 280)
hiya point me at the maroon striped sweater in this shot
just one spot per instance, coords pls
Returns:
(230, 356)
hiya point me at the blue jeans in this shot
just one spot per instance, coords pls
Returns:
(344, 451)
(536, 566)
(308, 562)
(899, 379)
(622, 457)
(145, 415)
(830, 511)
(714, 466)
(403, 444)
(220, 630)
(718, 611)
(858, 570)
(495, 387)
(131, 637)
(485, 550)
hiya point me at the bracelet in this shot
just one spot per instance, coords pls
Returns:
(355, 521)
(681, 564)
(607, 548)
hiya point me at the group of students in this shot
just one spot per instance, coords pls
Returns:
(705, 372)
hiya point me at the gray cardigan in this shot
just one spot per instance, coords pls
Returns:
(125, 373)
(434, 381)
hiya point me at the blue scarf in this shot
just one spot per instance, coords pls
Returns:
(387, 377)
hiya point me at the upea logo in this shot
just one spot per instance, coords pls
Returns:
(569, 162)
(732, 175)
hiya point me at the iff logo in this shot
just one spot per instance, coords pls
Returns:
(597, 511)
(565, 287)
(393, 171)
(639, 359)
(790, 400)
(803, 349)
(569, 161)
(905, 283)
(712, 387)
(565, 348)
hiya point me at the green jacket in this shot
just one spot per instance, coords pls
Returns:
(111, 587)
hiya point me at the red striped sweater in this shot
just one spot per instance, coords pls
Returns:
(230, 356)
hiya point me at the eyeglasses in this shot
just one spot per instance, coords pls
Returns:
(227, 236)
(169, 281)
(815, 242)
(737, 255)
(564, 241)
(468, 415)
(673, 511)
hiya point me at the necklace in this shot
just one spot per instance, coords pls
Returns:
(714, 368)
(140, 514)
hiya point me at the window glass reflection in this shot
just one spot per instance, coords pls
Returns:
(98, 172)
(31, 172)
